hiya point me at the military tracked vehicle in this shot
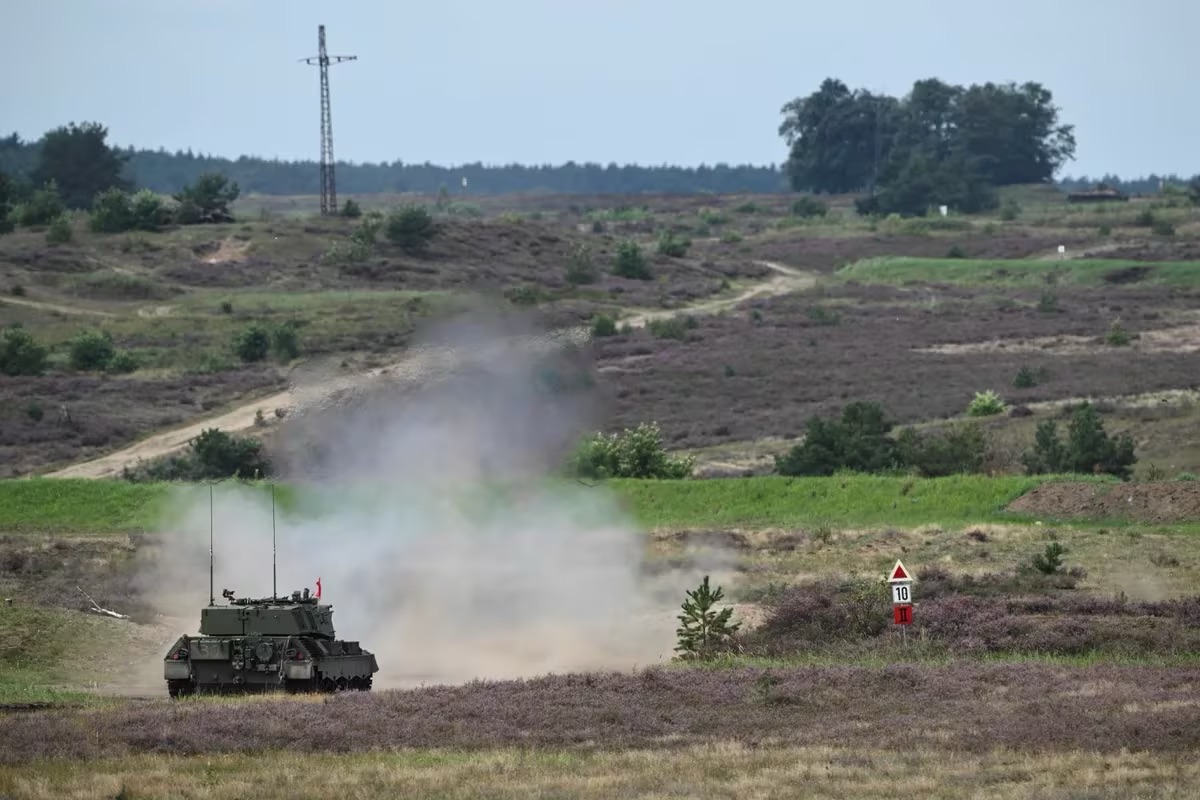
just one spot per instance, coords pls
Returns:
(266, 644)
(263, 644)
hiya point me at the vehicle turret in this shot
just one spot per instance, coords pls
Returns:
(301, 614)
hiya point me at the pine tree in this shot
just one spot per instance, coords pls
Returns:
(702, 628)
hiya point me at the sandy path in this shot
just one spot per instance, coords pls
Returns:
(419, 363)
(87, 312)
(785, 280)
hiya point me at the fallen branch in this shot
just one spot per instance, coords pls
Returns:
(96, 607)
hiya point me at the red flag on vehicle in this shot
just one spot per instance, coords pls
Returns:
(318, 588)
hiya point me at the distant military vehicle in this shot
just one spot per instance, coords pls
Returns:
(1102, 192)
(266, 644)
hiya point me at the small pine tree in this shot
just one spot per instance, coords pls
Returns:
(1050, 561)
(702, 628)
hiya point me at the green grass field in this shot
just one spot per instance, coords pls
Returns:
(1013, 273)
(46, 505)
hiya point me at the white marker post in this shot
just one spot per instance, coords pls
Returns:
(902, 611)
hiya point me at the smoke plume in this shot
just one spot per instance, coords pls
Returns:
(427, 507)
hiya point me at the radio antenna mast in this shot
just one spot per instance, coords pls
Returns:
(328, 184)
(211, 599)
(274, 585)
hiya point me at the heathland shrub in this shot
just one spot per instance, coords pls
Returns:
(959, 450)
(859, 442)
(213, 455)
(1088, 449)
(636, 453)
(1020, 611)
(985, 404)
(285, 341)
(207, 200)
(60, 231)
(807, 207)
(1027, 378)
(43, 206)
(20, 353)
(604, 325)
(411, 227)
(253, 343)
(630, 263)
(91, 350)
(673, 246)
(580, 270)
(824, 612)
(114, 210)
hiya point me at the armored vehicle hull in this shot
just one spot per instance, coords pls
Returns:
(267, 645)
(208, 665)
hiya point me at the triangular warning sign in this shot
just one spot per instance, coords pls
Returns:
(899, 573)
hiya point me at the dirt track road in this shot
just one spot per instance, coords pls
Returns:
(87, 312)
(419, 363)
(785, 280)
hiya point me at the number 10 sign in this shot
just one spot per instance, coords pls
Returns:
(901, 582)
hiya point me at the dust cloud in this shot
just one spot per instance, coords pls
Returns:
(429, 509)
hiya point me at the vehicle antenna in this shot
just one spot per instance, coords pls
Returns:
(274, 585)
(211, 599)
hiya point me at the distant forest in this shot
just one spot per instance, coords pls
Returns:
(166, 172)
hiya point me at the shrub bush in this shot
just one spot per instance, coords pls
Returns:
(636, 453)
(960, 450)
(59, 231)
(411, 227)
(858, 442)
(1088, 449)
(604, 325)
(580, 270)
(20, 353)
(111, 212)
(630, 263)
(672, 246)
(285, 342)
(42, 207)
(213, 455)
(252, 344)
(808, 207)
(985, 404)
(91, 350)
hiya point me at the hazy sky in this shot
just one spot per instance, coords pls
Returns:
(545, 81)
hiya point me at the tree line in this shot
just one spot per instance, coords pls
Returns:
(166, 172)
(940, 144)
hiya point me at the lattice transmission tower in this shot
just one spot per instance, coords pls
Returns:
(328, 183)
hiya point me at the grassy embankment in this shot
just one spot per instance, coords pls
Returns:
(1022, 272)
(87, 506)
